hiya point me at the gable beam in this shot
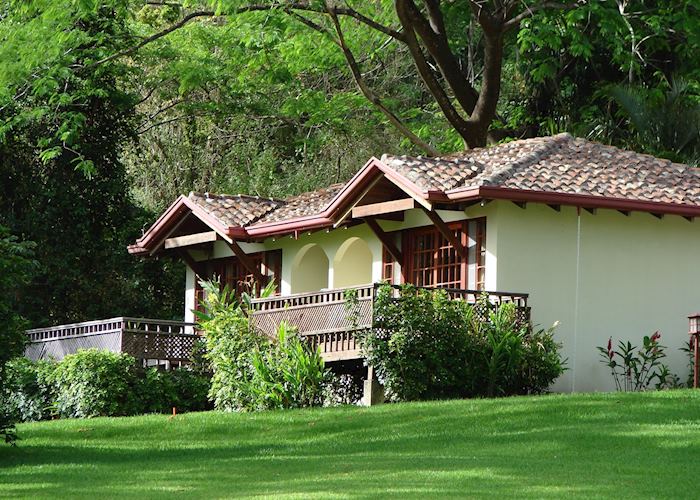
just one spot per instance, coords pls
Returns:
(446, 232)
(385, 239)
(245, 260)
(386, 207)
(190, 239)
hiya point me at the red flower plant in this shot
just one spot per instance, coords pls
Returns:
(610, 348)
(655, 338)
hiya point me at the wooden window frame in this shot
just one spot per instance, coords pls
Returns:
(233, 273)
(440, 248)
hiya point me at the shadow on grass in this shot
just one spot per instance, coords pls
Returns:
(593, 446)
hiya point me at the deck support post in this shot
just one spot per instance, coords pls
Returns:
(373, 392)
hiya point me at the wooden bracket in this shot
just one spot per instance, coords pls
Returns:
(626, 213)
(556, 208)
(197, 267)
(246, 262)
(591, 211)
(385, 239)
(520, 204)
(447, 233)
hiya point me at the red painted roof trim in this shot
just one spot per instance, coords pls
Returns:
(576, 200)
(169, 218)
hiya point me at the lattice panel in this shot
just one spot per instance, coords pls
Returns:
(165, 346)
(60, 347)
(313, 318)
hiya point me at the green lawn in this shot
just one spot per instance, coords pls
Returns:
(602, 445)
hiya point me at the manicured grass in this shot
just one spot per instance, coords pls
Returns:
(602, 445)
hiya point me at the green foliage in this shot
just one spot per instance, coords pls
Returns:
(231, 339)
(251, 371)
(92, 383)
(636, 368)
(16, 269)
(287, 373)
(427, 346)
(29, 392)
(159, 391)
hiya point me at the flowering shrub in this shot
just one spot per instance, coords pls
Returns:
(638, 369)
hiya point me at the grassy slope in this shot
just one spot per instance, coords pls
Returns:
(604, 445)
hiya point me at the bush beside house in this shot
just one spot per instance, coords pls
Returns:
(428, 346)
(92, 383)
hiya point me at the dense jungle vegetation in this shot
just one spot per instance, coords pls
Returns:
(111, 108)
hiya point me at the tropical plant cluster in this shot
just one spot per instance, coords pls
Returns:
(92, 383)
(426, 345)
(252, 371)
(641, 368)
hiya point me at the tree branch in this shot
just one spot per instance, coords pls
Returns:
(530, 11)
(438, 47)
(152, 38)
(369, 94)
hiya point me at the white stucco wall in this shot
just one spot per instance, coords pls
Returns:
(636, 274)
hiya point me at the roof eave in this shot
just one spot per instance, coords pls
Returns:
(574, 199)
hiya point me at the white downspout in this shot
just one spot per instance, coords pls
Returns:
(576, 292)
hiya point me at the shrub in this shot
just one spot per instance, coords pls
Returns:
(159, 391)
(417, 347)
(287, 373)
(427, 346)
(231, 338)
(94, 383)
(28, 389)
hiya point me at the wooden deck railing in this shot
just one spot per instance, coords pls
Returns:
(321, 317)
(145, 339)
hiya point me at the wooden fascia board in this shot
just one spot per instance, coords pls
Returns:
(447, 233)
(385, 207)
(190, 239)
(385, 239)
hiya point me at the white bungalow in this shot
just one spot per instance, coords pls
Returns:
(597, 238)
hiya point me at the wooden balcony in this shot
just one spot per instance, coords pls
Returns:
(151, 341)
(321, 317)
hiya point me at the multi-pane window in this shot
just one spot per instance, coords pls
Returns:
(431, 261)
(388, 266)
(230, 272)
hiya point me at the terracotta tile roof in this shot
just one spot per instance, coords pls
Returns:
(235, 210)
(242, 210)
(310, 203)
(558, 164)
